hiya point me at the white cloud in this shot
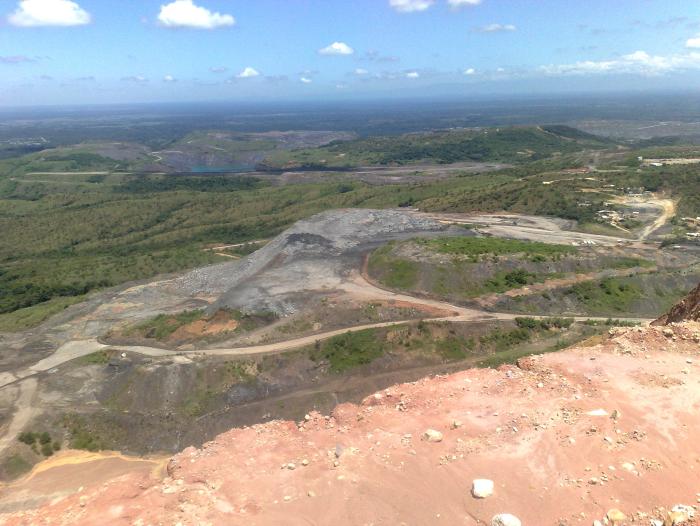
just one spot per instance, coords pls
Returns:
(248, 73)
(693, 42)
(337, 48)
(412, 75)
(462, 3)
(411, 6)
(218, 69)
(470, 71)
(169, 78)
(305, 80)
(498, 28)
(185, 13)
(639, 62)
(34, 13)
(139, 79)
(361, 71)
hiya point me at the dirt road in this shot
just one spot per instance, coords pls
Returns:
(668, 210)
(549, 230)
(357, 287)
(530, 228)
(24, 411)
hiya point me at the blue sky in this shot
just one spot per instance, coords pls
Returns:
(113, 51)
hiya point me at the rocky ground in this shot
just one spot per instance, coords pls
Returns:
(603, 433)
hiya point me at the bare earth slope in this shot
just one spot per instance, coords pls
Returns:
(566, 437)
(686, 309)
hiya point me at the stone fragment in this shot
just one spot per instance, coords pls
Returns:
(432, 436)
(615, 517)
(482, 488)
(597, 412)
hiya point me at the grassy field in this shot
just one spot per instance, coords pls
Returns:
(476, 247)
(29, 317)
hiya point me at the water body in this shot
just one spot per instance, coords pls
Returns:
(234, 168)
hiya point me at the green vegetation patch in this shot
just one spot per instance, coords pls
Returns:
(40, 442)
(454, 347)
(97, 358)
(479, 246)
(164, 325)
(29, 317)
(607, 295)
(544, 323)
(82, 435)
(395, 272)
(349, 350)
(514, 279)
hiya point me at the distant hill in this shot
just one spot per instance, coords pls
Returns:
(510, 144)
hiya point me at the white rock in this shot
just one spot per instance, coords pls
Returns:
(505, 519)
(432, 436)
(683, 508)
(482, 488)
(597, 412)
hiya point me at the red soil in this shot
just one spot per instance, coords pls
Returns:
(535, 430)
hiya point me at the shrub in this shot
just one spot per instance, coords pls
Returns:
(27, 437)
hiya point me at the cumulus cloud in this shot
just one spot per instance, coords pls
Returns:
(185, 13)
(305, 80)
(36, 13)
(498, 28)
(16, 59)
(337, 48)
(169, 78)
(361, 71)
(470, 71)
(248, 73)
(639, 62)
(693, 43)
(412, 75)
(463, 3)
(411, 6)
(218, 69)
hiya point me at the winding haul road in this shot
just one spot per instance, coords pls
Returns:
(357, 287)
(24, 381)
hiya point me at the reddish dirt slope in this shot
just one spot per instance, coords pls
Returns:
(688, 309)
(565, 437)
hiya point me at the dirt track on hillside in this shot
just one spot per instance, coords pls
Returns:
(317, 255)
